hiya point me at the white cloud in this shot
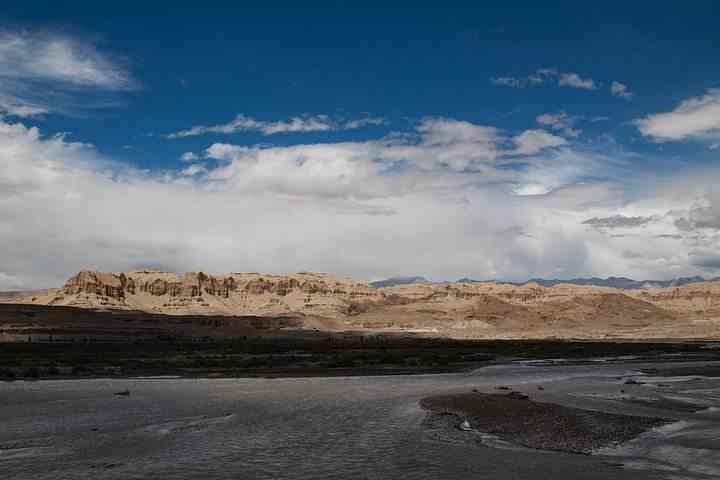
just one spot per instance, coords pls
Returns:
(694, 118)
(530, 189)
(194, 169)
(544, 75)
(18, 107)
(445, 131)
(43, 56)
(11, 282)
(560, 121)
(574, 80)
(531, 142)
(189, 157)
(412, 201)
(58, 65)
(438, 143)
(243, 123)
(363, 122)
(621, 90)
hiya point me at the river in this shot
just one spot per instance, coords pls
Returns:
(344, 428)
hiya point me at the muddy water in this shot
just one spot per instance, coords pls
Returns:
(359, 427)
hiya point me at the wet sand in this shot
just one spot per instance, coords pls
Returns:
(680, 370)
(545, 426)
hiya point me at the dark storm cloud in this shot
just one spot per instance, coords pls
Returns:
(618, 221)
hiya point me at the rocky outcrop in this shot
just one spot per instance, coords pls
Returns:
(97, 283)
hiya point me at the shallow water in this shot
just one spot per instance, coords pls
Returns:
(355, 427)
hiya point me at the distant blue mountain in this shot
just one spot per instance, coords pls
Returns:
(614, 282)
(394, 281)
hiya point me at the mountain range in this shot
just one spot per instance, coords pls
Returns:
(613, 282)
(322, 302)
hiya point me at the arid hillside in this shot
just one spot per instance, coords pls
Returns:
(459, 310)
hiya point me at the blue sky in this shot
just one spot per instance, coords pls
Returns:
(494, 142)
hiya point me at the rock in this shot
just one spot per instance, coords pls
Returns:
(517, 395)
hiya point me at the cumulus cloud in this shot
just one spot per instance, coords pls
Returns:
(58, 65)
(621, 90)
(440, 200)
(574, 80)
(704, 214)
(437, 143)
(694, 118)
(243, 123)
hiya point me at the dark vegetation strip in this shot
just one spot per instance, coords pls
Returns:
(303, 354)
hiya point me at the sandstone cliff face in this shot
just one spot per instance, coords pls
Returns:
(201, 293)
(484, 310)
(96, 283)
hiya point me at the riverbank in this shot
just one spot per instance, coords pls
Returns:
(519, 420)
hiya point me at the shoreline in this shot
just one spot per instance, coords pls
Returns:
(526, 423)
(270, 374)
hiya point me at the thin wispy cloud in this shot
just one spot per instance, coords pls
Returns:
(436, 144)
(561, 122)
(531, 142)
(244, 123)
(545, 76)
(40, 72)
(621, 90)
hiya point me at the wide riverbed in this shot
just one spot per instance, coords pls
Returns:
(347, 427)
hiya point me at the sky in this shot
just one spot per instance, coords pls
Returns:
(506, 141)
